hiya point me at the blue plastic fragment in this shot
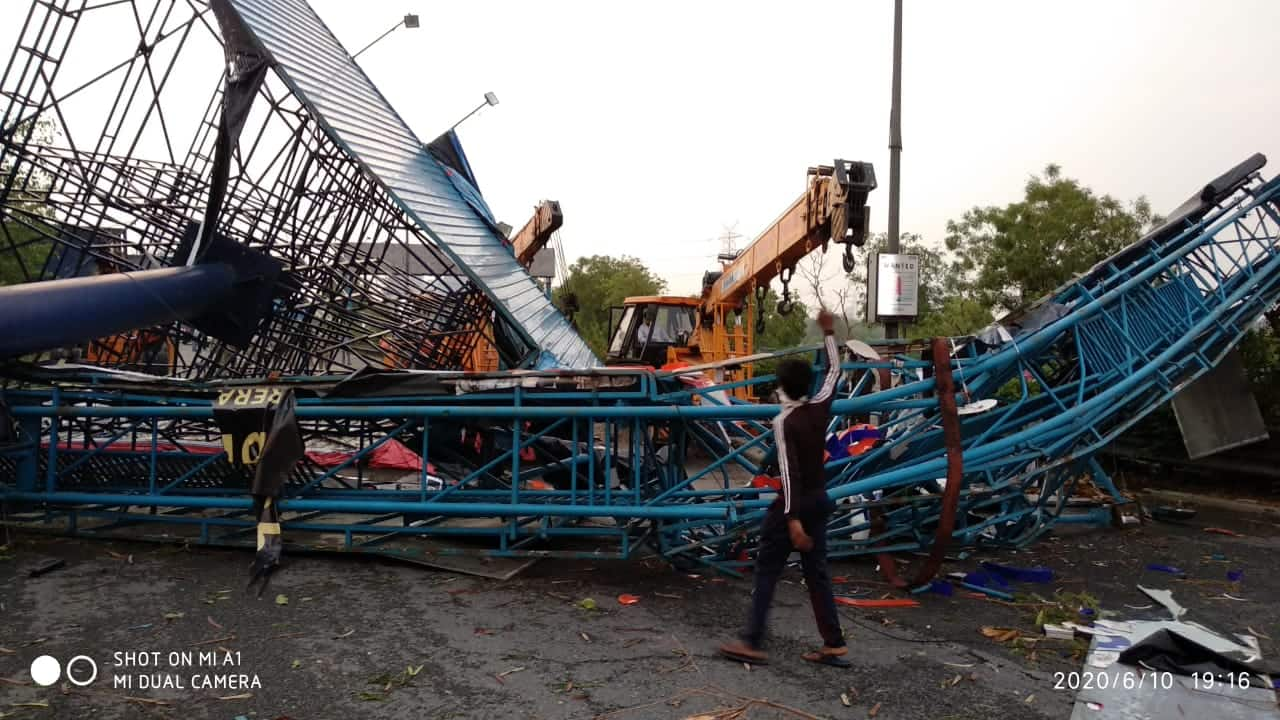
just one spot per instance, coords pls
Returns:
(982, 579)
(1235, 575)
(1166, 569)
(1034, 575)
(988, 591)
(941, 587)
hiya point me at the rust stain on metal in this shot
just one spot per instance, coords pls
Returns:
(955, 460)
(946, 394)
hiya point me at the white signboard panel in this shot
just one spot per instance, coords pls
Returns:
(894, 286)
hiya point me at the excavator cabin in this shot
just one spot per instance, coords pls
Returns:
(654, 331)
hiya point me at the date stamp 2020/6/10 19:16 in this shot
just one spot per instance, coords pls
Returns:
(1138, 679)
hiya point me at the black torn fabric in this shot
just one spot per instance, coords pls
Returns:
(281, 451)
(270, 543)
(1167, 651)
(246, 69)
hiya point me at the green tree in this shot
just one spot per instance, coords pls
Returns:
(600, 282)
(781, 331)
(23, 247)
(22, 253)
(1012, 255)
(954, 316)
(1260, 354)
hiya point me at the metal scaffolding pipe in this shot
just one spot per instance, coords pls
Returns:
(46, 315)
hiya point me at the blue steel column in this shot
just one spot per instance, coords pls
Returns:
(29, 462)
(51, 471)
(57, 313)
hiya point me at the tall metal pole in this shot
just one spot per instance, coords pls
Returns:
(409, 21)
(895, 146)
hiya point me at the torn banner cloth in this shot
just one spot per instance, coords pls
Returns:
(1167, 651)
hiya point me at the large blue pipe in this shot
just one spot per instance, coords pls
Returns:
(705, 511)
(57, 313)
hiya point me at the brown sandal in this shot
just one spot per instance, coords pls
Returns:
(824, 656)
(741, 652)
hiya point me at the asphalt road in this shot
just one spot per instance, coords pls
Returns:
(361, 638)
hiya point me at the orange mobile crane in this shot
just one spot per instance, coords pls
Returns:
(718, 326)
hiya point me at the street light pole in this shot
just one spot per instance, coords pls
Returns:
(409, 21)
(895, 146)
(489, 99)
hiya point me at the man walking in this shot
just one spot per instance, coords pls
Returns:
(797, 519)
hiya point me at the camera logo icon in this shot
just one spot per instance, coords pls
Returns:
(46, 670)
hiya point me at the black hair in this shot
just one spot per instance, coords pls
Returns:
(795, 377)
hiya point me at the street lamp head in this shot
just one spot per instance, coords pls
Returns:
(489, 99)
(410, 21)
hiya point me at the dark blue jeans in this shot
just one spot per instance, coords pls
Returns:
(771, 559)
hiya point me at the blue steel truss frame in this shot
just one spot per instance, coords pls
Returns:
(95, 456)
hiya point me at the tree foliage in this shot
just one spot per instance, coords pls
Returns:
(956, 315)
(600, 282)
(781, 331)
(1012, 255)
(23, 249)
(1260, 355)
(998, 258)
(22, 253)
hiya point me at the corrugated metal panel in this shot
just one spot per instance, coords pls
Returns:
(317, 68)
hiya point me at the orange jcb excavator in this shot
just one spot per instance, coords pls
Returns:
(719, 327)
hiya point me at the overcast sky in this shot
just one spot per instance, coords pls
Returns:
(657, 124)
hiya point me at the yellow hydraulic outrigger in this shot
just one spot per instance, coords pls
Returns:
(718, 326)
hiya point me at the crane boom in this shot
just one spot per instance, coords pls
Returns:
(534, 236)
(547, 218)
(717, 327)
(832, 208)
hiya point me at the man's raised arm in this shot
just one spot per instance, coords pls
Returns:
(827, 392)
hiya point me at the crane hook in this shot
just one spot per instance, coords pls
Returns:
(761, 292)
(848, 261)
(785, 305)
